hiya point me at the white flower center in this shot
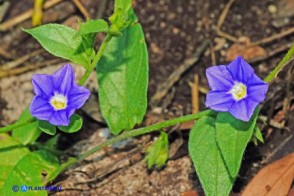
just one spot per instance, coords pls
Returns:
(238, 91)
(58, 101)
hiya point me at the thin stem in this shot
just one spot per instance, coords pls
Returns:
(96, 59)
(16, 125)
(144, 130)
(287, 58)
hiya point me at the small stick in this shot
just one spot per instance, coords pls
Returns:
(5, 54)
(164, 87)
(25, 15)
(18, 61)
(274, 37)
(82, 8)
(221, 21)
(273, 52)
(224, 14)
(26, 68)
(195, 94)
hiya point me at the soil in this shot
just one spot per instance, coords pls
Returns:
(174, 30)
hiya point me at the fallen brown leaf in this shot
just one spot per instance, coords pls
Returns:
(275, 179)
(190, 193)
(244, 48)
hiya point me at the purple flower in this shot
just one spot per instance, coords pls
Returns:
(235, 88)
(57, 96)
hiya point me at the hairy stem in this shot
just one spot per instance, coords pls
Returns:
(16, 125)
(287, 59)
(96, 59)
(144, 130)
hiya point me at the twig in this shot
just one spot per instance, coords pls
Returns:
(26, 68)
(5, 54)
(273, 52)
(18, 61)
(195, 94)
(276, 149)
(164, 87)
(274, 37)
(271, 122)
(222, 20)
(82, 8)
(25, 15)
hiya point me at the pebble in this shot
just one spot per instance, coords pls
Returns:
(272, 9)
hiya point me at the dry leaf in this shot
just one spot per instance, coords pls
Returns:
(190, 193)
(244, 48)
(273, 180)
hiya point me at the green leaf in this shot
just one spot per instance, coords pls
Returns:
(63, 42)
(26, 134)
(158, 152)
(11, 151)
(75, 124)
(123, 79)
(207, 159)
(35, 169)
(232, 136)
(93, 27)
(257, 136)
(46, 127)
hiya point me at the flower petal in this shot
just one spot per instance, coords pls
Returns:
(219, 101)
(257, 88)
(63, 79)
(219, 78)
(41, 109)
(241, 71)
(243, 109)
(42, 85)
(60, 118)
(77, 96)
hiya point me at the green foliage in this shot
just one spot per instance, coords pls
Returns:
(29, 133)
(34, 169)
(76, 122)
(232, 136)
(46, 127)
(158, 152)
(123, 79)
(257, 136)
(11, 151)
(123, 16)
(207, 158)
(93, 27)
(63, 42)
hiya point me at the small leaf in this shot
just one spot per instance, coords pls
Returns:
(207, 159)
(123, 16)
(76, 122)
(26, 134)
(232, 136)
(123, 80)
(158, 152)
(11, 151)
(63, 42)
(46, 127)
(34, 169)
(93, 27)
(257, 136)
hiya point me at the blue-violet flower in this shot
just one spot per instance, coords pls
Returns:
(235, 88)
(57, 96)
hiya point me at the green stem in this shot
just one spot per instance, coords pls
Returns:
(144, 130)
(287, 58)
(16, 125)
(96, 59)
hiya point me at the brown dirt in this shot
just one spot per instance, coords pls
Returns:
(173, 29)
